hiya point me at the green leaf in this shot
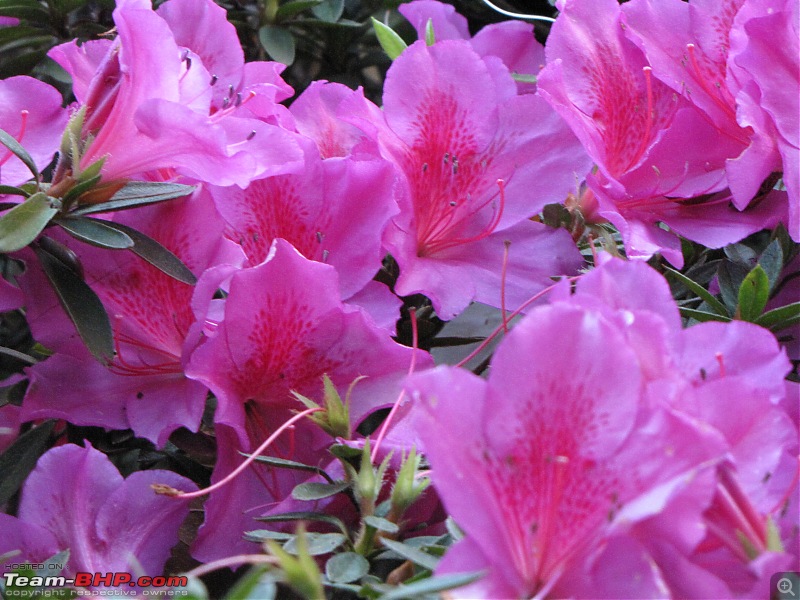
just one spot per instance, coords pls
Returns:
(20, 226)
(262, 535)
(329, 11)
(741, 254)
(776, 317)
(391, 43)
(304, 516)
(318, 543)
(730, 277)
(381, 524)
(24, 9)
(453, 529)
(13, 191)
(432, 585)
(278, 42)
(14, 393)
(344, 451)
(340, 24)
(282, 463)
(346, 567)
(753, 294)
(95, 232)
(313, 490)
(418, 557)
(256, 584)
(714, 304)
(702, 316)
(137, 193)
(81, 304)
(771, 260)
(17, 150)
(291, 9)
(79, 188)
(157, 255)
(20, 458)
(430, 36)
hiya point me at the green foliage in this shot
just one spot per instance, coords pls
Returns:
(748, 274)
(20, 458)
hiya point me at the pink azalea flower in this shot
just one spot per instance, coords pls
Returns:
(284, 326)
(513, 42)
(30, 112)
(151, 105)
(635, 128)
(144, 388)
(723, 383)
(76, 500)
(335, 212)
(318, 114)
(553, 456)
(454, 125)
(764, 55)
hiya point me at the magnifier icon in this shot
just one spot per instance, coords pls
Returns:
(785, 586)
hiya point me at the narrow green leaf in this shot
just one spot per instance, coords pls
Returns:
(80, 188)
(741, 254)
(432, 585)
(320, 24)
(20, 458)
(777, 316)
(391, 43)
(282, 463)
(346, 567)
(753, 294)
(262, 535)
(313, 490)
(157, 255)
(24, 9)
(771, 260)
(17, 150)
(291, 9)
(278, 42)
(430, 35)
(20, 226)
(13, 191)
(329, 11)
(137, 193)
(318, 543)
(418, 557)
(381, 524)
(304, 516)
(703, 316)
(713, 303)
(95, 232)
(81, 304)
(256, 584)
(730, 276)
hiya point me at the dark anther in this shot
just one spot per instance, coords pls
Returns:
(214, 79)
(251, 135)
(238, 99)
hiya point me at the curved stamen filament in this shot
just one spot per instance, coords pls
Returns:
(170, 491)
(121, 366)
(435, 240)
(23, 126)
(414, 348)
(716, 94)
